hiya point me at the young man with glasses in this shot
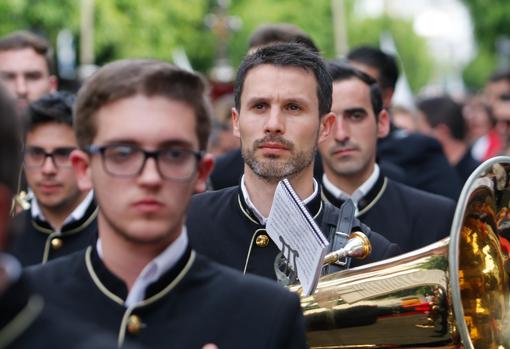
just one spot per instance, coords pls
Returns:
(62, 217)
(142, 126)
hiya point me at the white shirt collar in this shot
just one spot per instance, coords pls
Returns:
(76, 215)
(358, 194)
(260, 217)
(156, 268)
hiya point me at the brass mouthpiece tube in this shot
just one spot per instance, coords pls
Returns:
(358, 246)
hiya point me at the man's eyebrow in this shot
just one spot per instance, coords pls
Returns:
(355, 110)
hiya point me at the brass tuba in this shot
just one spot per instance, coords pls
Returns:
(450, 294)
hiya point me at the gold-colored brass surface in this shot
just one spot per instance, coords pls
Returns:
(451, 294)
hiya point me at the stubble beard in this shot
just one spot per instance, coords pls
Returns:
(273, 169)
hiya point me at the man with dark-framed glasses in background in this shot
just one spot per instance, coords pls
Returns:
(62, 218)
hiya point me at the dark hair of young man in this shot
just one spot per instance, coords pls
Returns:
(385, 63)
(444, 110)
(268, 34)
(343, 71)
(500, 76)
(150, 78)
(56, 107)
(24, 39)
(288, 55)
(10, 142)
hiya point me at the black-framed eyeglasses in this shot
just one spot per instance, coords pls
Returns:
(36, 156)
(125, 160)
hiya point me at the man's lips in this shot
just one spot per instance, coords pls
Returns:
(343, 151)
(148, 205)
(273, 146)
(49, 187)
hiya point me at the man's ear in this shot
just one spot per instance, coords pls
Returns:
(383, 124)
(81, 165)
(235, 123)
(204, 170)
(327, 123)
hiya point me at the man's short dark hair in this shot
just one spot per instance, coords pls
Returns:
(10, 142)
(500, 75)
(444, 110)
(341, 71)
(24, 39)
(150, 78)
(268, 34)
(288, 55)
(385, 63)
(56, 107)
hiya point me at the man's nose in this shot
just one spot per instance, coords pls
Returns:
(275, 122)
(150, 174)
(48, 165)
(21, 86)
(341, 130)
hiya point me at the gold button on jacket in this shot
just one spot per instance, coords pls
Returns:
(57, 243)
(134, 325)
(262, 240)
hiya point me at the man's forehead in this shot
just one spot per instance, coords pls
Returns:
(266, 79)
(351, 87)
(24, 59)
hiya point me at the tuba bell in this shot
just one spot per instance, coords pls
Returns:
(450, 294)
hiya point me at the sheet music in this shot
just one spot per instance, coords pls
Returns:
(296, 234)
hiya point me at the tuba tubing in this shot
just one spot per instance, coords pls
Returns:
(451, 294)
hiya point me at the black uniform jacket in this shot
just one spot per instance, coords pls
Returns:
(223, 228)
(410, 217)
(37, 242)
(28, 322)
(422, 159)
(196, 302)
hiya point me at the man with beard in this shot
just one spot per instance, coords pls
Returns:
(62, 218)
(410, 217)
(26, 66)
(282, 111)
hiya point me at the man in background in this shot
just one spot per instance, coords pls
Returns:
(420, 157)
(410, 217)
(444, 121)
(62, 217)
(26, 66)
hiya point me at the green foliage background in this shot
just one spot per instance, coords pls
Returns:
(133, 28)
(491, 22)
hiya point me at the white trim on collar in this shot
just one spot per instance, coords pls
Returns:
(154, 269)
(358, 194)
(76, 215)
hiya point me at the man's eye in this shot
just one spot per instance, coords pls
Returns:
(260, 106)
(356, 116)
(294, 107)
(7, 76)
(33, 76)
(63, 152)
(120, 153)
(35, 151)
(174, 155)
